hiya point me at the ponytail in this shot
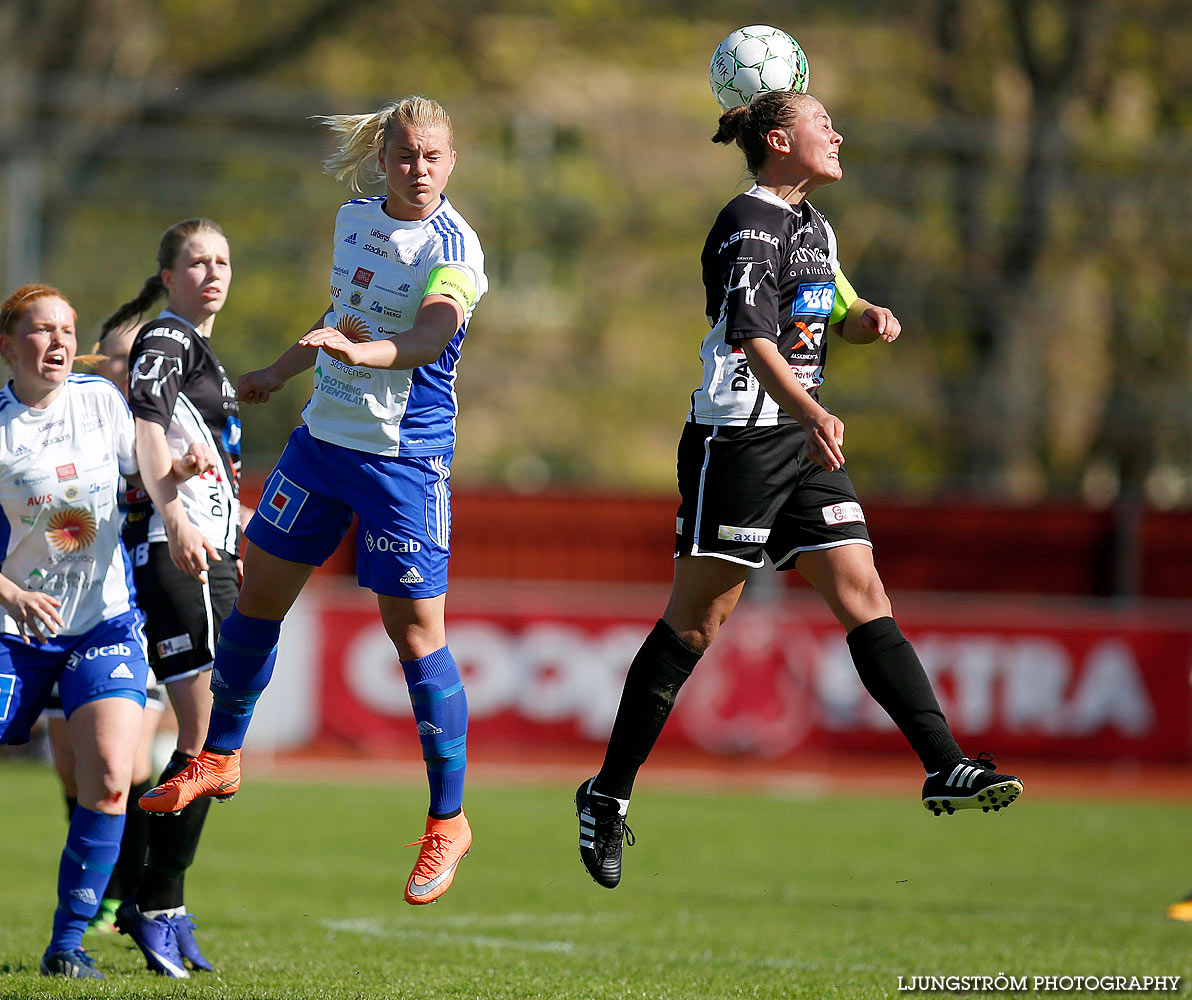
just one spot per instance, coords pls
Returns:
(358, 137)
(748, 125)
(150, 292)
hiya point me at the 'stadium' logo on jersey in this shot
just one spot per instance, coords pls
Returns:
(354, 328)
(71, 530)
(373, 248)
(749, 234)
(363, 277)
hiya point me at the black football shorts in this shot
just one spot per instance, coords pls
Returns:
(182, 615)
(749, 491)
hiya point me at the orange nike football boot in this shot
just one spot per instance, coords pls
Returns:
(1181, 910)
(444, 845)
(209, 773)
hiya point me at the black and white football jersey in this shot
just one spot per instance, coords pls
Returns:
(770, 270)
(176, 381)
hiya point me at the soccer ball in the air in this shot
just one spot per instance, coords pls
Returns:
(756, 60)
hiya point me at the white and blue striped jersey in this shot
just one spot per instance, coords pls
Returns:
(380, 271)
(60, 470)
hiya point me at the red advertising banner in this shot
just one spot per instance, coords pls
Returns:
(546, 666)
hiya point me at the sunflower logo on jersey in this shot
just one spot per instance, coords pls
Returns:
(71, 530)
(354, 328)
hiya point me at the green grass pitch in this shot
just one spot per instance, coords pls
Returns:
(298, 892)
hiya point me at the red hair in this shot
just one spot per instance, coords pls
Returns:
(20, 301)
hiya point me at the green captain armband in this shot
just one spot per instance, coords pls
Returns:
(845, 297)
(453, 283)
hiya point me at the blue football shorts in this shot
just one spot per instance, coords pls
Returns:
(403, 506)
(107, 661)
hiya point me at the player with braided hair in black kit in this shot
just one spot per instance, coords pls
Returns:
(761, 473)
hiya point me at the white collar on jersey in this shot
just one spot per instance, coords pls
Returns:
(173, 315)
(764, 195)
(412, 223)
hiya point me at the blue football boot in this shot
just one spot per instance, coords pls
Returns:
(74, 964)
(156, 938)
(184, 930)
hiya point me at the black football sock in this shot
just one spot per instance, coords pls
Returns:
(658, 670)
(133, 844)
(891, 672)
(173, 841)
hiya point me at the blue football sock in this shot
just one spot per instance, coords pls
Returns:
(441, 711)
(244, 658)
(92, 846)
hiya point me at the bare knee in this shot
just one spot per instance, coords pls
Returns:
(106, 791)
(413, 643)
(696, 631)
(861, 599)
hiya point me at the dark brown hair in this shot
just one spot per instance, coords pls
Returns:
(748, 126)
(172, 241)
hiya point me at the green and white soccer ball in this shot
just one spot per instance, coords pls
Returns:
(755, 60)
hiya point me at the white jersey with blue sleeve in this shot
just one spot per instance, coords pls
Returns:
(381, 270)
(60, 470)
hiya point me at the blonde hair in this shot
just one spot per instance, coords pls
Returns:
(360, 136)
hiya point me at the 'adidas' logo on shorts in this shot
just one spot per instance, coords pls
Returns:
(122, 672)
(412, 576)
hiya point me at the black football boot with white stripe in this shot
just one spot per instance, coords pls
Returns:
(970, 784)
(602, 829)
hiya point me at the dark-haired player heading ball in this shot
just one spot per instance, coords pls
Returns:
(761, 472)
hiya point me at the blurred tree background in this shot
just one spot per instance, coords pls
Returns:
(1017, 189)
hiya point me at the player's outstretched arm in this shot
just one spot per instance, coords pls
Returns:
(437, 321)
(257, 386)
(864, 323)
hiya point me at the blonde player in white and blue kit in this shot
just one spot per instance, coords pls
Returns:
(376, 443)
